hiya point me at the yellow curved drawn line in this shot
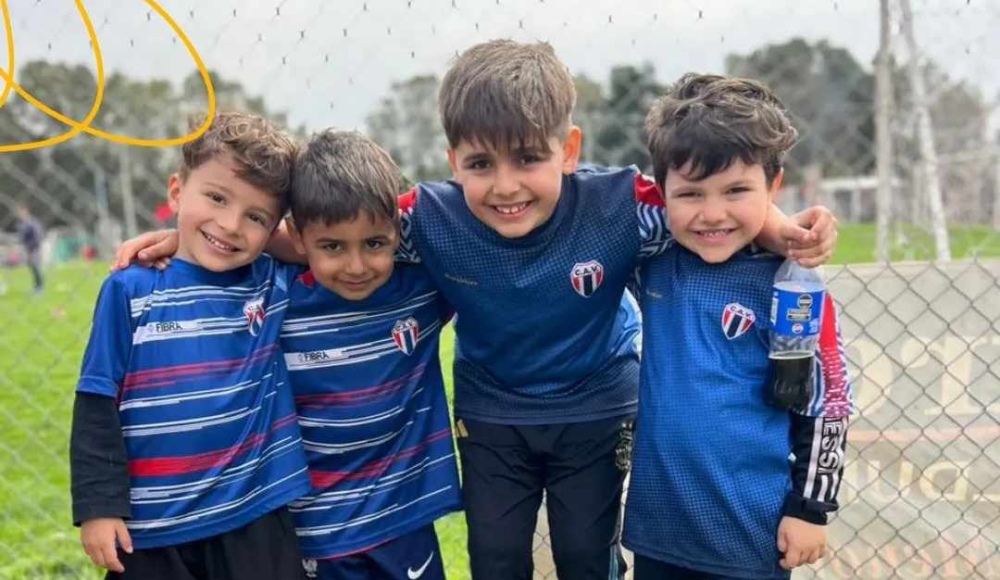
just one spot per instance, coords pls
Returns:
(123, 139)
(94, 108)
(9, 30)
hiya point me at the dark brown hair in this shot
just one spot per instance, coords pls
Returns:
(710, 121)
(340, 175)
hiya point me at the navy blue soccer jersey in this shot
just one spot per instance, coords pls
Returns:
(711, 472)
(540, 335)
(191, 357)
(373, 412)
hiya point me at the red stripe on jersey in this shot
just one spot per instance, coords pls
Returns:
(162, 466)
(327, 479)
(358, 396)
(162, 376)
(647, 192)
(408, 200)
(308, 278)
(836, 400)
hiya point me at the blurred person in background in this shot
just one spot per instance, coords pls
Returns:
(30, 233)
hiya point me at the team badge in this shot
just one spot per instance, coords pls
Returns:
(311, 567)
(586, 277)
(406, 333)
(254, 311)
(736, 320)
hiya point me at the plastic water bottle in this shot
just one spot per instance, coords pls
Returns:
(796, 310)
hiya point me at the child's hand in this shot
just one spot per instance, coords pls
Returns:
(152, 249)
(98, 537)
(811, 236)
(800, 541)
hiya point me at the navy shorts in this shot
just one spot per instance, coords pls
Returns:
(414, 556)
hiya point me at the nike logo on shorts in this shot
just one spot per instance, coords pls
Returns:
(414, 574)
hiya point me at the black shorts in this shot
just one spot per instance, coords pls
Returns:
(265, 549)
(649, 569)
(580, 468)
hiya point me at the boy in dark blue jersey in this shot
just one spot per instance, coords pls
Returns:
(361, 343)
(185, 449)
(713, 493)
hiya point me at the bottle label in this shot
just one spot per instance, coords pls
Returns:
(796, 308)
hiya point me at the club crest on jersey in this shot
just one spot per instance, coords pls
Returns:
(736, 320)
(586, 277)
(254, 311)
(406, 333)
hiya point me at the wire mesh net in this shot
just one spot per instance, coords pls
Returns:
(921, 493)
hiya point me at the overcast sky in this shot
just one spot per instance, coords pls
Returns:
(327, 62)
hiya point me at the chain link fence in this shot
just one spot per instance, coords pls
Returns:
(895, 160)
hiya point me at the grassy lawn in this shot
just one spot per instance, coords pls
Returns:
(41, 342)
(40, 349)
(857, 243)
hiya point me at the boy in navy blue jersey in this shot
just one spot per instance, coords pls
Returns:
(185, 449)
(713, 493)
(361, 342)
(534, 255)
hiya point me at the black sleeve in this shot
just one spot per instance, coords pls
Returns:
(818, 445)
(98, 461)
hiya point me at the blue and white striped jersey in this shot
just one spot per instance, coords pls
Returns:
(192, 358)
(374, 416)
(540, 335)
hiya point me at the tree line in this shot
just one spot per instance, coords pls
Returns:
(830, 94)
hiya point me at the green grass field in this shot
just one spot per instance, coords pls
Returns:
(40, 348)
(857, 243)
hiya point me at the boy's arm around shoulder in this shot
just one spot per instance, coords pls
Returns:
(406, 251)
(98, 462)
(154, 249)
(808, 237)
(819, 430)
(655, 237)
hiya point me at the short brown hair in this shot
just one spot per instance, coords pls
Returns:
(340, 175)
(507, 95)
(263, 154)
(710, 121)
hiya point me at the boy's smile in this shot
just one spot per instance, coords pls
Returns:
(223, 222)
(717, 216)
(514, 192)
(220, 245)
(352, 258)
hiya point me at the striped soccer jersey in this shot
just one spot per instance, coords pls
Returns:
(540, 335)
(192, 358)
(373, 412)
(710, 467)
